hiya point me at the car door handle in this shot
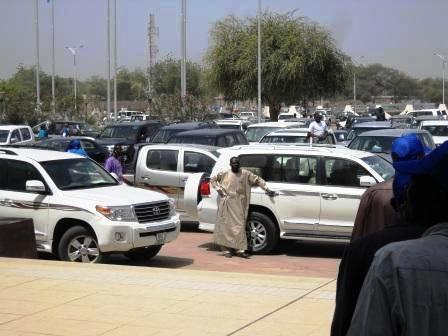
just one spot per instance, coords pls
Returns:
(145, 177)
(330, 197)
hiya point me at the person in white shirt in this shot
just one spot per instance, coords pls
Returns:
(318, 128)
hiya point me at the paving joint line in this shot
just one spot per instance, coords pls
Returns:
(280, 308)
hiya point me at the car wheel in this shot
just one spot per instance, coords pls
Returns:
(262, 233)
(143, 253)
(79, 244)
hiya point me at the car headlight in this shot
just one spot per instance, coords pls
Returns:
(118, 213)
(172, 207)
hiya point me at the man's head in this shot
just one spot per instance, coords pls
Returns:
(426, 195)
(405, 148)
(235, 164)
(117, 151)
(317, 116)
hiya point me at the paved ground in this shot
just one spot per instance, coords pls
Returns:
(195, 250)
(41, 297)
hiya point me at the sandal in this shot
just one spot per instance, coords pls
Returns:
(226, 254)
(244, 255)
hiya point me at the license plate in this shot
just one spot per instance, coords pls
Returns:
(160, 237)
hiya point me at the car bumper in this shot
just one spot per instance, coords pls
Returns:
(124, 236)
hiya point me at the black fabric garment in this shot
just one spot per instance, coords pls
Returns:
(354, 267)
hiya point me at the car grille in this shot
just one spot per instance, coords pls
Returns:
(150, 212)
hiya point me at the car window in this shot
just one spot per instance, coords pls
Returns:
(3, 174)
(4, 135)
(18, 173)
(230, 140)
(197, 163)
(162, 160)
(241, 139)
(87, 145)
(26, 135)
(298, 169)
(343, 173)
(427, 140)
(15, 134)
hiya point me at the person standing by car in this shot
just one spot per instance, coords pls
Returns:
(318, 128)
(113, 163)
(234, 188)
(380, 115)
(74, 147)
(42, 132)
(65, 132)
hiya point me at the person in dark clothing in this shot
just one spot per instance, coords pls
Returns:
(380, 115)
(359, 254)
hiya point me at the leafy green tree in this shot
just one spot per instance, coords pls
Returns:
(300, 61)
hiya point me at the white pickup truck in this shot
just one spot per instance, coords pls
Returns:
(79, 210)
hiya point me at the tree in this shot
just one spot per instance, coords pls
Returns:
(300, 61)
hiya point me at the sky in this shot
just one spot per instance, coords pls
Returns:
(403, 34)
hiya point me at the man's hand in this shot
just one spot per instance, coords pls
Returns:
(221, 193)
(271, 193)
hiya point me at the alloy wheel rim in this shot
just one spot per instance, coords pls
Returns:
(257, 234)
(83, 249)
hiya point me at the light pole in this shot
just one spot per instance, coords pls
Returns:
(443, 58)
(36, 22)
(354, 84)
(183, 64)
(73, 50)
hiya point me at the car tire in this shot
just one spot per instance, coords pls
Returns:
(79, 244)
(143, 253)
(262, 233)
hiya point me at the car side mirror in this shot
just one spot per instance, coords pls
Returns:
(35, 186)
(367, 181)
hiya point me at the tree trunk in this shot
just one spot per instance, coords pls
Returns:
(274, 109)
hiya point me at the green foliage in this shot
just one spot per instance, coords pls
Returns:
(299, 60)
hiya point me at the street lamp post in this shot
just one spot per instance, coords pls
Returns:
(444, 59)
(259, 59)
(73, 51)
(354, 84)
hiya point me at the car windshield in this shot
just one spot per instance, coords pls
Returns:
(122, 131)
(193, 140)
(254, 134)
(162, 136)
(70, 174)
(285, 139)
(437, 130)
(381, 166)
(4, 135)
(229, 126)
(373, 144)
(358, 130)
(285, 116)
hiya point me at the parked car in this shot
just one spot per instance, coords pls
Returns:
(15, 134)
(427, 112)
(295, 136)
(364, 127)
(319, 189)
(247, 115)
(255, 132)
(416, 121)
(166, 132)
(232, 124)
(284, 116)
(437, 128)
(79, 210)
(93, 150)
(54, 128)
(165, 168)
(353, 120)
(126, 135)
(401, 121)
(380, 141)
(211, 137)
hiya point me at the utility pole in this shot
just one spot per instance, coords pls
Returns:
(73, 51)
(259, 60)
(115, 59)
(444, 59)
(153, 32)
(354, 83)
(183, 67)
(53, 89)
(36, 12)
(108, 60)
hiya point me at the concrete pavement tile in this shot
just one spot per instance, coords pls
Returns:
(19, 307)
(54, 326)
(133, 330)
(11, 281)
(227, 311)
(151, 291)
(8, 317)
(182, 323)
(50, 296)
(270, 328)
(39, 284)
(246, 299)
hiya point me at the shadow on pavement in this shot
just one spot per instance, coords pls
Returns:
(157, 261)
(190, 227)
(310, 249)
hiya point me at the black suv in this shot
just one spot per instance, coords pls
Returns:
(218, 137)
(127, 135)
(76, 128)
(166, 132)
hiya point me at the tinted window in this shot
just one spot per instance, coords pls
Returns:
(162, 160)
(437, 130)
(221, 142)
(344, 173)
(209, 141)
(281, 168)
(373, 144)
(4, 135)
(241, 139)
(18, 173)
(26, 135)
(87, 145)
(230, 140)
(15, 134)
(197, 163)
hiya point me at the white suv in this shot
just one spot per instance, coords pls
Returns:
(11, 134)
(79, 210)
(319, 189)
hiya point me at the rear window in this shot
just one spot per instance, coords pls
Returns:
(437, 130)
(194, 140)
